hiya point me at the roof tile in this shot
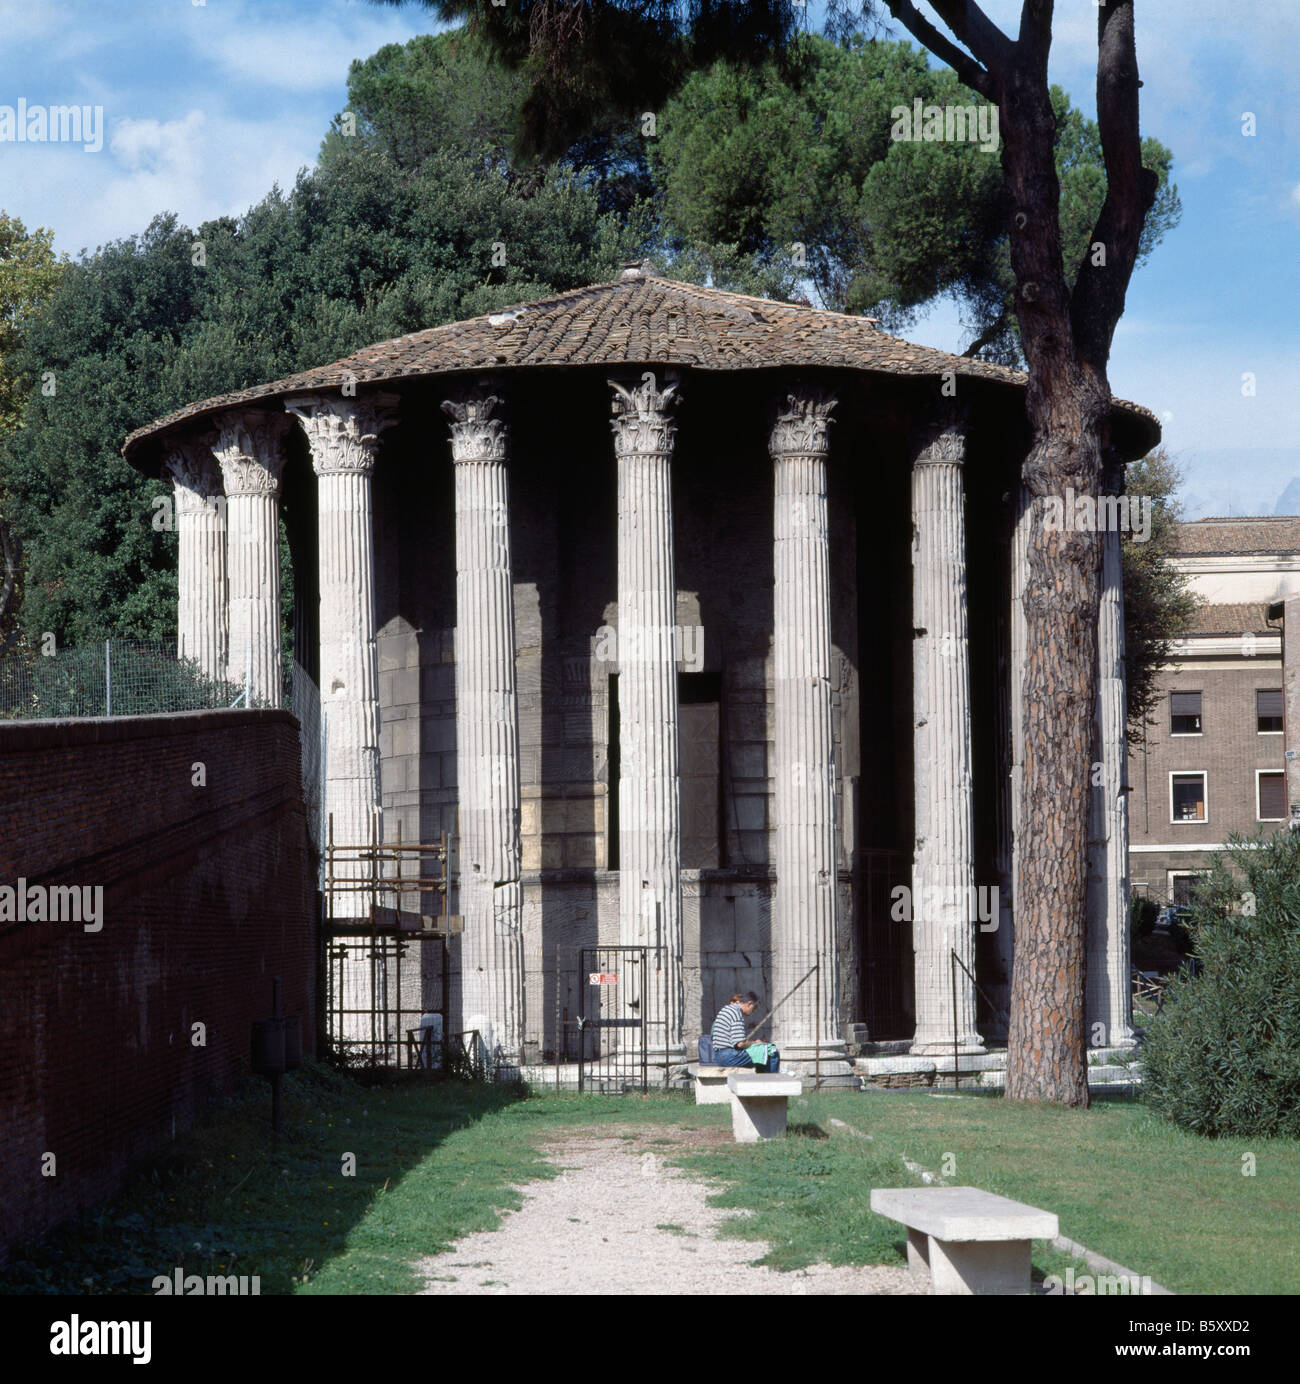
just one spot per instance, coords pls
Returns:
(627, 321)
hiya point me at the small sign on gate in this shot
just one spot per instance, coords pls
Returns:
(602, 978)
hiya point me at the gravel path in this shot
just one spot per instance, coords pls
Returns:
(620, 1220)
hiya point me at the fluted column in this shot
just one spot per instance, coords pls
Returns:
(943, 867)
(650, 831)
(1109, 995)
(806, 1027)
(248, 450)
(487, 731)
(343, 435)
(998, 987)
(202, 616)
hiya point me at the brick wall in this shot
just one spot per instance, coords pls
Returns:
(207, 893)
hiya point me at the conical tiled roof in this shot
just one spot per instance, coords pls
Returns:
(637, 320)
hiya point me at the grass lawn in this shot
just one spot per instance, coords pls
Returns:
(1123, 1182)
(437, 1161)
(434, 1161)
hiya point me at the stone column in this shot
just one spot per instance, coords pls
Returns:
(649, 806)
(998, 988)
(1109, 994)
(487, 731)
(343, 435)
(202, 625)
(943, 866)
(248, 449)
(806, 1027)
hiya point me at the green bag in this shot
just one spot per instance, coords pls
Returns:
(760, 1054)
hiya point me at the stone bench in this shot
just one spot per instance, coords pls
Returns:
(711, 1085)
(759, 1101)
(967, 1240)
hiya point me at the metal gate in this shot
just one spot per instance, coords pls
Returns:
(622, 1023)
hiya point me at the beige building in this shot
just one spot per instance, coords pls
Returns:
(1213, 763)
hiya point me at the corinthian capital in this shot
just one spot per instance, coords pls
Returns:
(642, 422)
(940, 439)
(802, 427)
(249, 449)
(189, 464)
(343, 433)
(476, 435)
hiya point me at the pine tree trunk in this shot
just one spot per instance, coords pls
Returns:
(1066, 335)
(1046, 1046)
(1068, 409)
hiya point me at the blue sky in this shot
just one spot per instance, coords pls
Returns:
(207, 105)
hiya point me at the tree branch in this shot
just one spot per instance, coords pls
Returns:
(1035, 39)
(976, 30)
(1100, 289)
(967, 68)
(989, 335)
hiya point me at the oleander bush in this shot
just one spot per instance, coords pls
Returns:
(1223, 1056)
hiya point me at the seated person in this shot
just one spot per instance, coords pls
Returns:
(729, 1041)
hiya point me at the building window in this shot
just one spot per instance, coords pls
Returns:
(1268, 712)
(1182, 886)
(1184, 713)
(1270, 794)
(1187, 798)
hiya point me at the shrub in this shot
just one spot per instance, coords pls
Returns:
(1143, 913)
(1223, 1057)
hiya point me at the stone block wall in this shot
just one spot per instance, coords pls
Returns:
(563, 541)
(193, 826)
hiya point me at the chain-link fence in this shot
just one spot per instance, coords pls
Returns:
(121, 677)
(118, 677)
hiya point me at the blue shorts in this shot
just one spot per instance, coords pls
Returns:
(738, 1057)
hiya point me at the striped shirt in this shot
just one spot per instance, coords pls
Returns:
(728, 1027)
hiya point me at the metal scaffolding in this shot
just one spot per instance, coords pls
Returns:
(386, 931)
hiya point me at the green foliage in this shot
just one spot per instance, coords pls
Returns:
(1223, 1056)
(1142, 913)
(447, 94)
(763, 158)
(1158, 599)
(357, 252)
(438, 93)
(29, 273)
(600, 61)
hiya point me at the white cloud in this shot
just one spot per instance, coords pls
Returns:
(206, 106)
(200, 167)
(307, 56)
(158, 147)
